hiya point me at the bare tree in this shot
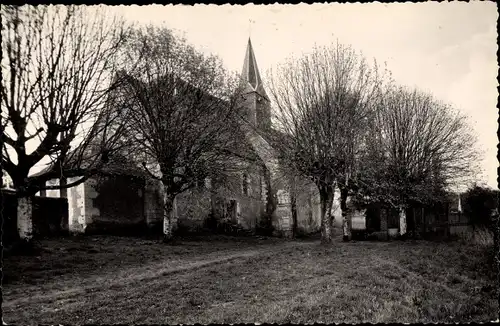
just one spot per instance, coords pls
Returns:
(418, 147)
(56, 66)
(322, 102)
(183, 112)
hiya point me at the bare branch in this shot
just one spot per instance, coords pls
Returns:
(181, 109)
(57, 74)
(323, 103)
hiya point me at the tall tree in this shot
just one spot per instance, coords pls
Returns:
(183, 112)
(56, 68)
(417, 148)
(322, 102)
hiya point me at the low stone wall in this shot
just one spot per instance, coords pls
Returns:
(460, 229)
(50, 216)
(9, 211)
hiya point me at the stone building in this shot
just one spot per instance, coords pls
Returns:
(259, 193)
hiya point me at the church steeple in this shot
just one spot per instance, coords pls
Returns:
(250, 73)
(256, 100)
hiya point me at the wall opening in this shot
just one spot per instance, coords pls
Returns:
(232, 211)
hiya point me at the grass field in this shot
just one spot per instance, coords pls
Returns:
(231, 280)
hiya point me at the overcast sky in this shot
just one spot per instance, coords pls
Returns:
(448, 49)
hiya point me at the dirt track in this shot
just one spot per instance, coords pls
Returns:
(57, 290)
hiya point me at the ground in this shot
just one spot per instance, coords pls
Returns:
(216, 279)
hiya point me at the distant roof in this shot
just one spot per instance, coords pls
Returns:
(118, 165)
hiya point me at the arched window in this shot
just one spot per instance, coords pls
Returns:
(245, 184)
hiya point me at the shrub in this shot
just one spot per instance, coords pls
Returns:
(481, 236)
(481, 205)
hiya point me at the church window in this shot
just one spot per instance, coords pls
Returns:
(246, 184)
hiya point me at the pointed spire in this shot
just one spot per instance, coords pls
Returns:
(250, 73)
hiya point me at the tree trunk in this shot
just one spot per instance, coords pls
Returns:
(293, 203)
(447, 225)
(294, 215)
(168, 218)
(414, 219)
(402, 220)
(25, 218)
(424, 222)
(346, 230)
(326, 197)
(63, 192)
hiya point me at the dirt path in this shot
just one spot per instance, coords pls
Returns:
(63, 290)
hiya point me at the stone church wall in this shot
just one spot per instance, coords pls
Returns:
(193, 208)
(241, 196)
(231, 201)
(110, 204)
(251, 201)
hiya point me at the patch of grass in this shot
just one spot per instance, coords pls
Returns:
(222, 279)
(82, 256)
(481, 237)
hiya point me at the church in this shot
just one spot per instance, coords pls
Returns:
(260, 195)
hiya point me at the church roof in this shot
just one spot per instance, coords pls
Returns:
(250, 74)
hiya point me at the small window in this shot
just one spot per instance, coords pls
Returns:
(245, 183)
